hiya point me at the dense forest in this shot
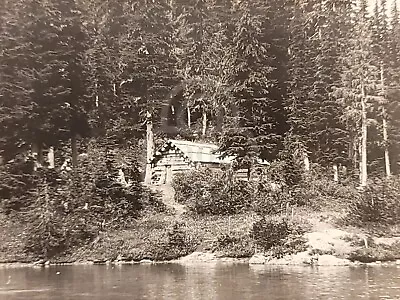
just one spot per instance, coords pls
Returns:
(81, 81)
(253, 76)
(249, 76)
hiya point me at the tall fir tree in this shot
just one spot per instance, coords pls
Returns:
(359, 83)
(318, 35)
(393, 74)
(15, 88)
(258, 121)
(49, 67)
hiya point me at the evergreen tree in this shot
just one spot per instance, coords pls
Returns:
(202, 38)
(147, 57)
(378, 143)
(393, 83)
(15, 88)
(47, 71)
(258, 122)
(318, 34)
(359, 81)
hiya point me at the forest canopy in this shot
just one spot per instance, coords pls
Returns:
(247, 75)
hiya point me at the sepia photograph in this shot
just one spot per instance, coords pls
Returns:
(199, 149)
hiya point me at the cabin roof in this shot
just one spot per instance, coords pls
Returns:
(194, 152)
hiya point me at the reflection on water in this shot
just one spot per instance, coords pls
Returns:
(199, 281)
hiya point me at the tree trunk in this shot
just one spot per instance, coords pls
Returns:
(364, 132)
(74, 148)
(189, 117)
(384, 127)
(249, 173)
(97, 96)
(335, 173)
(50, 158)
(37, 154)
(115, 89)
(353, 153)
(149, 148)
(306, 161)
(220, 119)
(204, 122)
(385, 140)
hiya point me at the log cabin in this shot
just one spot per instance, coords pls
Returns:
(176, 156)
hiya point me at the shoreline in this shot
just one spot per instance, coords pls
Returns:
(200, 258)
(216, 239)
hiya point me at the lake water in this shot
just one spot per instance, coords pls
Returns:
(198, 281)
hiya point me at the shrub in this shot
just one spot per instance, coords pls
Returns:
(46, 238)
(234, 244)
(268, 201)
(376, 252)
(110, 201)
(379, 203)
(191, 185)
(285, 172)
(278, 236)
(176, 242)
(319, 193)
(68, 209)
(212, 192)
(17, 184)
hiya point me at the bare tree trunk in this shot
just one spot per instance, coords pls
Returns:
(385, 140)
(306, 161)
(97, 96)
(149, 148)
(384, 127)
(47, 214)
(50, 157)
(115, 89)
(74, 149)
(37, 154)
(335, 173)
(204, 122)
(364, 133)
(189, 116)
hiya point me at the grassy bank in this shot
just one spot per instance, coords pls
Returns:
(163, 236)
(225, 218)
(158, 236)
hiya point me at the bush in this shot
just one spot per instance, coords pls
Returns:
(17, 184)
(234, 244)
(175, 242)
(51, 228)
(378, 203)
(376, 253)
(191, 185)
(278, 236)
(46, 238)
(323, 193)
(269, 201)
(212, 192)
(67, 209)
